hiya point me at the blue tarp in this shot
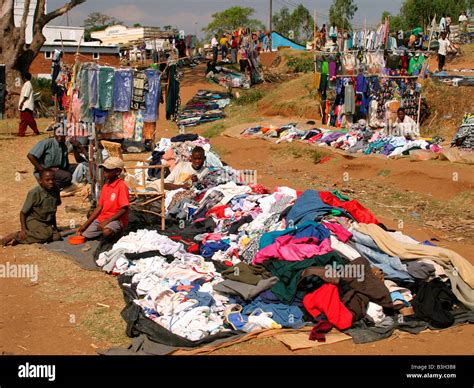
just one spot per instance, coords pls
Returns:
(279, 40)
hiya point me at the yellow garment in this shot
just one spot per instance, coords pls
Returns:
(223, 41)
(317, 80)
(406, 251)
(244, 241)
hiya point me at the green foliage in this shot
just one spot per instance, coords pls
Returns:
(300, 64)
(315, 155)
(384, 15)
(43, 85)
(213, 131)
(299, 21)
(232, 19)
(419, 13)
(250, 97)
(97, 21)
(342, 12)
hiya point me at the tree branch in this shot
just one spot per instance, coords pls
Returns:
(61, 11)
(6, 12)
(26, 11)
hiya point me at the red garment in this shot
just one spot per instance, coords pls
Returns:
(194, 248)
(326, 300)
(259, 189)
(27, 119)
(218, 211)
(113, 197)
(319, 330)
(360, 213)
(315, 138)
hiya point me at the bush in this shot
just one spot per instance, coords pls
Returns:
(213, 131)
(43, 85)
(301, 64)
(249, 97)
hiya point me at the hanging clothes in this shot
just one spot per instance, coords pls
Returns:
(138, 136)
(140, 87)
(93, 85)
(172, 93)
(349, 98)
(106, 83)
(129, 124)
(152, 97)
(123, 90)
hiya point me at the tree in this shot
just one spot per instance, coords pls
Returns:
(14, 52)
(282, 21)
(232, 19)
(299, 21)
(342, 12)
(97, 21)
(419, 13)
(385, 14)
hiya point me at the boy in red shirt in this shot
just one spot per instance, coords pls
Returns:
(111, 215)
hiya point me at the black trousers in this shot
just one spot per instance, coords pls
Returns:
(441, 61)
(64, 177)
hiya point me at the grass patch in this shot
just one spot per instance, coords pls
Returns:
(300, 64)
(214, 131)
(315, 155)
(383, 172)
(105, 327)
(250, 97)
(295, 152)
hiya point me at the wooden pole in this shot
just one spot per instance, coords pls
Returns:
(419, 112)
(270, 21)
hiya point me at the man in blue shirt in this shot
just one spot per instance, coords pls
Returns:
(52, 154)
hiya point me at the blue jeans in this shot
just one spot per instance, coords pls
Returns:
(391, 266)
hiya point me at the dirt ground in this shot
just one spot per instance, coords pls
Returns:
(72, 311)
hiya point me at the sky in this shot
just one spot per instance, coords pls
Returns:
(193, 15)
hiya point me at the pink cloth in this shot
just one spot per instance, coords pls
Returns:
(169, 159)
(293, 249)
(342, 233)
(213, 237)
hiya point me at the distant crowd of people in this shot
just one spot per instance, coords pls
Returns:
(239, 43)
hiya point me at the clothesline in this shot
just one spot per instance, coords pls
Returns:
(168, 62)
(371, 51)
(376, 75)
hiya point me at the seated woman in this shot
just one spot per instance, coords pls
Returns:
(38, 215)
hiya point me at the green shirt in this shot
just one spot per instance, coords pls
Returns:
(41, 205)
(50, 153)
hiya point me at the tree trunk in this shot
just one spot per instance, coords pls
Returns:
(13, 86)
(14, 52)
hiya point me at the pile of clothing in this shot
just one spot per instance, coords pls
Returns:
(227, 77)
(169, 152)
(248, 258)
(360, 138)
(464, 137)
(204, 107)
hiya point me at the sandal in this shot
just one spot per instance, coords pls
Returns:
(234, 318)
